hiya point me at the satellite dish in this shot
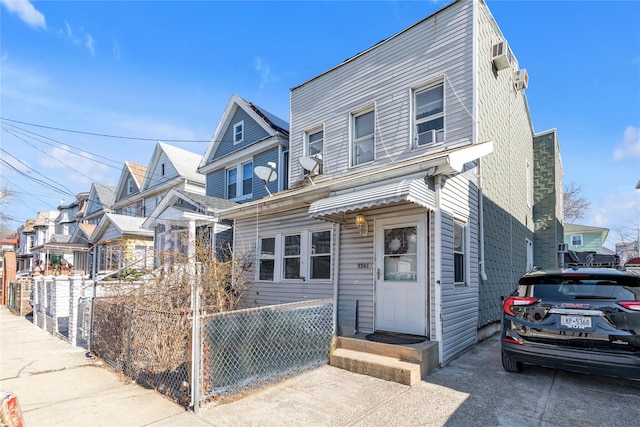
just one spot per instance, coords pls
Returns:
(311, 163)
(267, 174)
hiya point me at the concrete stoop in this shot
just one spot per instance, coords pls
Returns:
(404, 364)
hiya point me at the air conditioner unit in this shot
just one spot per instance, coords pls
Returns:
(563, 247)
(500, 55)
(521, 79)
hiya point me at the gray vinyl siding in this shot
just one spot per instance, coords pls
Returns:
(261, 293)
(459, 303)
(503, 117)
(436, 49)
(253, 132)
(169, 171)
(216, 184)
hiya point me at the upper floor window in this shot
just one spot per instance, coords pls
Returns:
(459, 252)
(238, 132)
(129, 186)
(429, 115)
(576, 240)
(314, 145)
(162, 171)
(362, 147)
(243, 188)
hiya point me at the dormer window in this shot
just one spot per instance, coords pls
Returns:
(238, 132)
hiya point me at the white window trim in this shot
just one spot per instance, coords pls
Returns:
(352, 118)
(305, 256)
(419, 88)
(239, 181)
(235, 126)
(465, 253)
(581, 240)
(306, 151)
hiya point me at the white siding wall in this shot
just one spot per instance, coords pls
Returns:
(436, 48)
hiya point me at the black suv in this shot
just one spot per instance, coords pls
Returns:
(581, 319)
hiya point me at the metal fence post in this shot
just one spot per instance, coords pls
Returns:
(195, 320)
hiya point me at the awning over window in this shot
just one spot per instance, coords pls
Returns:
(416, 190)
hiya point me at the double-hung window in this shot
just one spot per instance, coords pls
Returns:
(363, 148)
(459, 253)
(320, 255)
(267, 258)
(242, 188)
(429, 115)
(576, 240)
(238, 132)
(292, 256)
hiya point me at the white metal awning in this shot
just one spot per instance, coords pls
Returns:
(416, 190)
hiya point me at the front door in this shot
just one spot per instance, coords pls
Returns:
(401, 275)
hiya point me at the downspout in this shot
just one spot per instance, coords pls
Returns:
(336, 272)
(438, 267)
(483, 273)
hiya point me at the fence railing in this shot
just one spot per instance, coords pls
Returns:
(245, 349)
(18, 293)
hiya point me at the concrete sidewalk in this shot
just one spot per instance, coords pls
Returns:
(57, 385)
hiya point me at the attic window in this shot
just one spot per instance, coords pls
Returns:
(162, 169)
(238, 132)
(129, 186)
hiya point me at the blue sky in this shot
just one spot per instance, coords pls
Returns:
(165, 70)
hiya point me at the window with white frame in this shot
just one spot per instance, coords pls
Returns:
(576, 240)
(297, 256)
(266, 265)
(429, 115)
(162, 169)
(314, 144)
(238, 132)
(242, 188)
(129, 185)
(362, 141)
(459, 252)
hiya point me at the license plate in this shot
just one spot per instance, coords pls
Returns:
(575, 322)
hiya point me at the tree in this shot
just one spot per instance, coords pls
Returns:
(5, 197)
(574, 206)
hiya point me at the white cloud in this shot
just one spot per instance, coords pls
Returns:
(629, 149)
(90, 44)
(263, 68)
(77, 167)
(26, 11)
(615, 211)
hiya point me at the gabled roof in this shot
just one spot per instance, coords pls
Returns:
(196, 204)
(126, 225)
(28, 226)
(576, 228)
(45, 218)
(271, 123)
(185, 163)
(130, 170)
(82, 233)
(60, 238)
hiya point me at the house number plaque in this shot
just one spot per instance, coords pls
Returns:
(364, 265)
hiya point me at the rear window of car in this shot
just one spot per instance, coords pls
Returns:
(581, 288)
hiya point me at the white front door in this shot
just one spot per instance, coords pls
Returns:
(401, 275)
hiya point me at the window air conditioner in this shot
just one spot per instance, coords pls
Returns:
(521, 79)
(563, 247)
(500, 54)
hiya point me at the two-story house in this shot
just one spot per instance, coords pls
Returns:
(411, 186)
(585, 238)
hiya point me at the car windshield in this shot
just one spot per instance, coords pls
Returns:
(583, 288)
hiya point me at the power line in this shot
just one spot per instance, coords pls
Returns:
(103, 135)
(27, 166)
(65, 144)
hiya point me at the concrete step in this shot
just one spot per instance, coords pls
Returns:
(378, 366)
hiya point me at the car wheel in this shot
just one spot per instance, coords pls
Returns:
(511, 365)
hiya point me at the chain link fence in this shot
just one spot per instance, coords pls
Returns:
(150, 346)
(18, 297)
(246, 349)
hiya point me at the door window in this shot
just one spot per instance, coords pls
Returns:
(401, 254)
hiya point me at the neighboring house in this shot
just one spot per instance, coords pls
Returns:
(584, 238)
(71, 214)
(247, 137)
(411, 197)
(101, 198)
(121, 243)
(128, 190)
(183, 216)
(26, 239)
(627, 251)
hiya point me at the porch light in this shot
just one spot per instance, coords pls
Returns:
(362, 225)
